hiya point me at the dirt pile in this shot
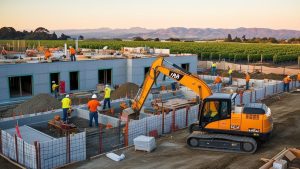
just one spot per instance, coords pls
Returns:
(126, 89)
(39, 103)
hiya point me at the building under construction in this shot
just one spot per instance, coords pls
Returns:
(30, 78)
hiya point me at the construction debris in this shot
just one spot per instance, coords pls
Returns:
(128, 90)
(115, 157)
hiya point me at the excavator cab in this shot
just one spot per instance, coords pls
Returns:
(215, 107)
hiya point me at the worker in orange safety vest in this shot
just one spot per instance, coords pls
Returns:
(247, 78)
(286, 83)
(47, 54)
(72, 53)
(218, 82)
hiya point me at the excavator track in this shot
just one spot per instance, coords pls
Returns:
(222, 142)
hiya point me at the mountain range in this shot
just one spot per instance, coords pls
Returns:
(179, 32)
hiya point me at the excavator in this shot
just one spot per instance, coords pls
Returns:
(221, 125)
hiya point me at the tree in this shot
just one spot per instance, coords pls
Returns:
(273, 40)
(156, 39)
(7, 33)
(173, 39)
(64, 37)
(41, 30)
(237, 39)
(138, 38)
(244, 38)
(80, 37)
(229, 38)
(54, 36)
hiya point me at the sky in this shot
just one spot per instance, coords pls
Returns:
(153, 14)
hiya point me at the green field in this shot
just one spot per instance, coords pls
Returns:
(276, 53)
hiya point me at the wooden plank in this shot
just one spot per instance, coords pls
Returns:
(265, 159)
(295, 151)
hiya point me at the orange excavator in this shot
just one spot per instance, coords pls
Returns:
(221, 126)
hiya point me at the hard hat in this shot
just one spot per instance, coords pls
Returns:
(94, 96)
(67, 96)
(53, 81)
(106, 85)
(70, 46)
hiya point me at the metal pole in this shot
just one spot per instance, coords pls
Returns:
(16, 148)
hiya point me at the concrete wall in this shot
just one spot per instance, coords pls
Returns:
(123, 70)
(28, 119)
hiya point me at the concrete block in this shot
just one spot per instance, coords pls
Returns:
(280, 164)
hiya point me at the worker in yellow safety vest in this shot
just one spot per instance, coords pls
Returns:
(213, 69)
(66, 105)
(107, 91)
(55, 89)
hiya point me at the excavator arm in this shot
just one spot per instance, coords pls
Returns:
(177, 73)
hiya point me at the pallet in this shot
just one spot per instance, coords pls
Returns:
(175, 103)
(289, 153)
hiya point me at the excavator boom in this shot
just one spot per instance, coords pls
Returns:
(177, 73)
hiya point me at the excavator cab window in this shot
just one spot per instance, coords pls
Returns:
(214, 110)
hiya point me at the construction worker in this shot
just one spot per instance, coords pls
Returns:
(298, 77)
(55, 89)
(286, 83)
(66, 105)
(213, 68)
(218, 82)
(93, 106)
(230, 75)
(247, 78)
(47, 54)
(107, 91)
(72, 53)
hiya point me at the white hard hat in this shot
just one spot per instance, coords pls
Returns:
(53, 81)
(94, 96)
(70, 46)
(67, 96)
(107, 85)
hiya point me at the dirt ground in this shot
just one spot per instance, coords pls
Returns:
(6, 165)
(172, 152)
